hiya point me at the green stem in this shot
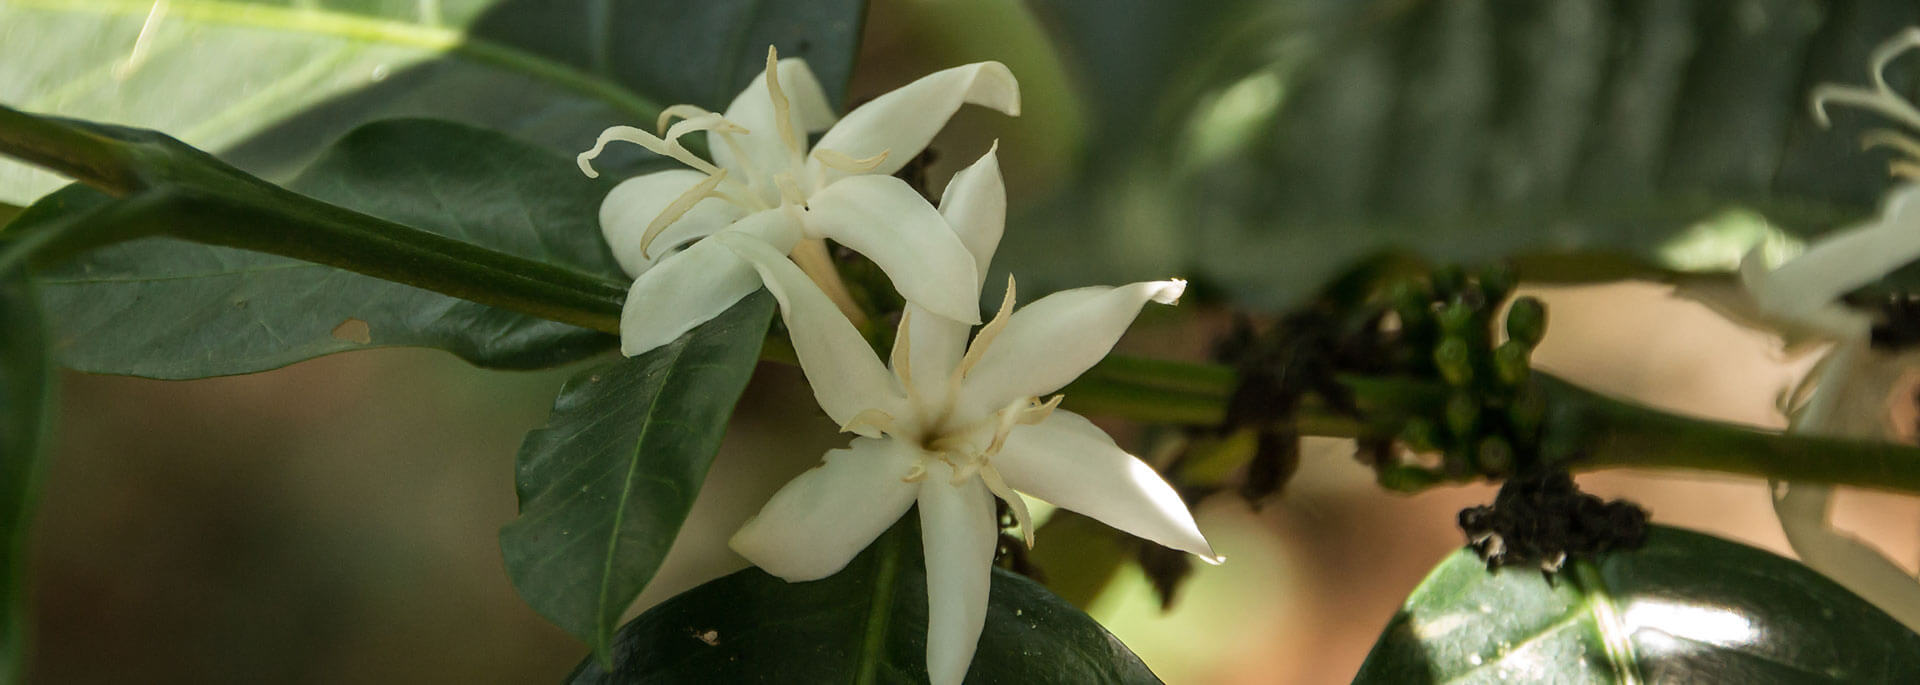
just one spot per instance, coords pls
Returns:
(78, 153)
(887, 552)
(1623, 435)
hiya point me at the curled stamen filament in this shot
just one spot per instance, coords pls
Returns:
(1880, 98)
(652, 143)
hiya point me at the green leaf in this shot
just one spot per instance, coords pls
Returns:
(865, 624)
(164, 308)
(1307, 135)
(26, 408)
(1686, 606)
(605, 485)
(268, 83)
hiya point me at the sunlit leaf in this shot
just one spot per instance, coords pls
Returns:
(1686, 607)
(267, 83)
(605, 485)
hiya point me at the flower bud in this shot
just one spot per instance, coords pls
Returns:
(1510, 362)
(1527, 321)
(1454, 359)
(1463, 415)
(1495, 456)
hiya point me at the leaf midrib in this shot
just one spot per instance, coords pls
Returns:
(603, 626)
(369, 29)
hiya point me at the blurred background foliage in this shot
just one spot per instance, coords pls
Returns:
(337, 520)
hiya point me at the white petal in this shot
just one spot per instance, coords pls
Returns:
(1053, 340)
(846, 376)
(1071, 463)
(818, 521)
(753, 110)
(883, 218)
(958, 531)
(975, 206)
(633, 204)
(1803, 509)
(903, 121)
(1805, 288)
(690, 287)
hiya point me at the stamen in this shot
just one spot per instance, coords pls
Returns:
(652, 143)
(682, 111)
(916, 474)
(987, 333)
(840, 160)
(1900, 142)
(789, 190)
(1021, 517)
(902, 357)
(679, 208)
(1880, 98)
(782, 109)
(873, 418)
(705, 122)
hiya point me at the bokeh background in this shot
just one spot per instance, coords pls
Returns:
(336, 521)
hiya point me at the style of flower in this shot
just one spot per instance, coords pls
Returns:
(952, 426)
(765, 183)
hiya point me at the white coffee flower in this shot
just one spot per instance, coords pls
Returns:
(952, 426)
(765, 183)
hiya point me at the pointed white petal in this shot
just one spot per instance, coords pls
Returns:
(633, 204)
(1053, 340)
(903, 121)
(753, 110)
(1805, 288)
(958, 531)
(883, 218)
(818, 521)
(975, 205)
(846, 376)
(937, 344)
(1071, 463)
(683, 290)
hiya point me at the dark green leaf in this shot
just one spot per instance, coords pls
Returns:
(605, 485)
(269, 83)
(1323, 131)
(1686, 607)
(26, 404)
(164, 308)
(865, 624)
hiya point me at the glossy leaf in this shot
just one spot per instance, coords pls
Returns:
(605, 485)
(1686, 607)
(267, 83)
(165, 308)
(1466, 130)
(865, 624)
(26, 407)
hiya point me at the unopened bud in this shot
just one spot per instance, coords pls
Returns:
(1527, 321)
(1463, 416)
(1510, 362)
(1454, 359)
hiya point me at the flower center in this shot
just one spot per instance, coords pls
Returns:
(941, 436)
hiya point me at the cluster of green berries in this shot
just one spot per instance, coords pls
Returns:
(1489, 423)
